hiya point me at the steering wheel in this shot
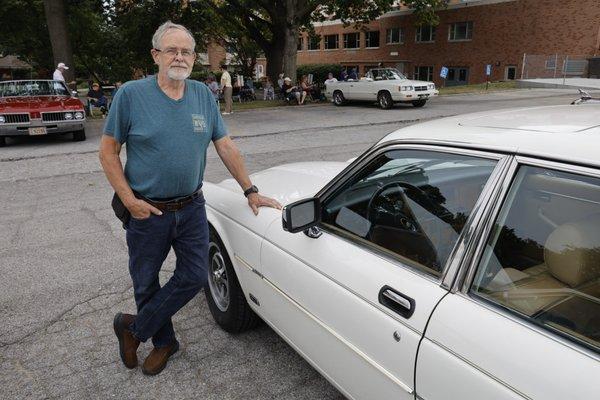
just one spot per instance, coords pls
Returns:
(391, 207)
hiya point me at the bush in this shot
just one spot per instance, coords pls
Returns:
(319, 71)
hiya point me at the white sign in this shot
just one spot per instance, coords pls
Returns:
(444, 72)
(488, 69)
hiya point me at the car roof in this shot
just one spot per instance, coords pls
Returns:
(569, 133)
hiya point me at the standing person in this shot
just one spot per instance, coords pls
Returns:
(58, 72)
(167, 123)
(227, 89)
(212, 84)
(268, 91)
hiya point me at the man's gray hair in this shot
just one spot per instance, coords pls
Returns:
(164, 28)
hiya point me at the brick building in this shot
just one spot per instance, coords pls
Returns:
(471, 35)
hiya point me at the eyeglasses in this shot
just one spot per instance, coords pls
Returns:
(172, 52)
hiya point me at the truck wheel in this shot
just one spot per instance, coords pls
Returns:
(419, 103)
(79, 136)
(384, 99)
(338, 98)
(2, 141)
(224, 295)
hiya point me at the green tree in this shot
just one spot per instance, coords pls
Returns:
(275, 25)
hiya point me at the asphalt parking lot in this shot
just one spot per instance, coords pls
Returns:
(63, 260)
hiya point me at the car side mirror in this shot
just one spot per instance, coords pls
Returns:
(74, 93)
(369, 79)
(301, 215)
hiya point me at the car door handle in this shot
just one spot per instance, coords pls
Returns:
(397, 302)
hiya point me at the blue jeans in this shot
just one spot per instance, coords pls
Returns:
(149, 241)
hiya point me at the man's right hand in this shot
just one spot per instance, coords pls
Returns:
(140, 209)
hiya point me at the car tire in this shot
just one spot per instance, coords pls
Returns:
(338, 98)
(226, 300)
(384, 99)
(79, 136)
(2, 141)
(419, 103)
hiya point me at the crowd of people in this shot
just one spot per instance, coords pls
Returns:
(227, 88)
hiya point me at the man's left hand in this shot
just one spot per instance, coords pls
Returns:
(256, 200)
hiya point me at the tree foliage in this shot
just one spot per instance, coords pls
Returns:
(274, 25)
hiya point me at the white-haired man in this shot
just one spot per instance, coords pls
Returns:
(58, 72)
(167, 123)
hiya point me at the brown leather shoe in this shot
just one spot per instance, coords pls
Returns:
(157, 359)
(128, 344)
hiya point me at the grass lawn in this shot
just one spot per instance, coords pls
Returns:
(478, 88)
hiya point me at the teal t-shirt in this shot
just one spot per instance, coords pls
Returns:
(165, 139)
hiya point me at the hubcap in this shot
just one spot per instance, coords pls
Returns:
(217, 277)
(383, 101)
(338, 98)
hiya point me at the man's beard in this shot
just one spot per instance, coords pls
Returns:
(178, 74)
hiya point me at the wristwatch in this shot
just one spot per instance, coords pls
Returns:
(251, 189)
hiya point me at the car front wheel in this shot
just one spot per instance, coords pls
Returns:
(384, 99)
(419, 103)
(224, 295)
(79, 136)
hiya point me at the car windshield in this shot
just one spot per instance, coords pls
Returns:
(33, 88)
(387, 74)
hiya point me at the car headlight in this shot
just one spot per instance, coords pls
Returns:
(78, 115)
(431, 86)
(406, 88)
(68, 115)
(2, 120)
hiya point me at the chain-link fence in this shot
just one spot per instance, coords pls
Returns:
(554, 66)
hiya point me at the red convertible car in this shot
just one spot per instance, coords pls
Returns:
(39, 107)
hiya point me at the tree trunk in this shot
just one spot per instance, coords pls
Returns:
(59, 36)
(274, 56)
(290, 51)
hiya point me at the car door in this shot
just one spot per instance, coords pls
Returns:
(355, 300)
(524, 323)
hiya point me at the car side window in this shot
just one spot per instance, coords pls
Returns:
(412, 204)
(542, 260)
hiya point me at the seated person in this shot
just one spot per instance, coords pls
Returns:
(291, 92)
(269, 92)
(96, 98)
(307, 88)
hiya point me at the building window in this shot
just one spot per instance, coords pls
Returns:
(460, 31)
(394, 35)
(314, 42)
(300, 43)
(551, 63)
(352, 40)
(425, 33)
(372, 39)
(423, 73)
(331, 42)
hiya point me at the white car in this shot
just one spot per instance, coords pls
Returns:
(455, 259)
(384, 85)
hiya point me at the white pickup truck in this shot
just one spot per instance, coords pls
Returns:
(384, 85)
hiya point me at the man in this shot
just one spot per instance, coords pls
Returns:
(96, 97)
(227, 89)
(167, 122)
(330, 79)
(58, 72)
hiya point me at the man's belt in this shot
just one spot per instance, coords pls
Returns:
(173, 204)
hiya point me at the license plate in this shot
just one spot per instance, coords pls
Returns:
(40, 130)
(423, 96)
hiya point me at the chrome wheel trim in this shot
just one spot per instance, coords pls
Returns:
(383, 101)
(337, 98)
(218, 281)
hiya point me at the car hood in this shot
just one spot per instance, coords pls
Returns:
(410, 82)
(290, 182)
(41, 103)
